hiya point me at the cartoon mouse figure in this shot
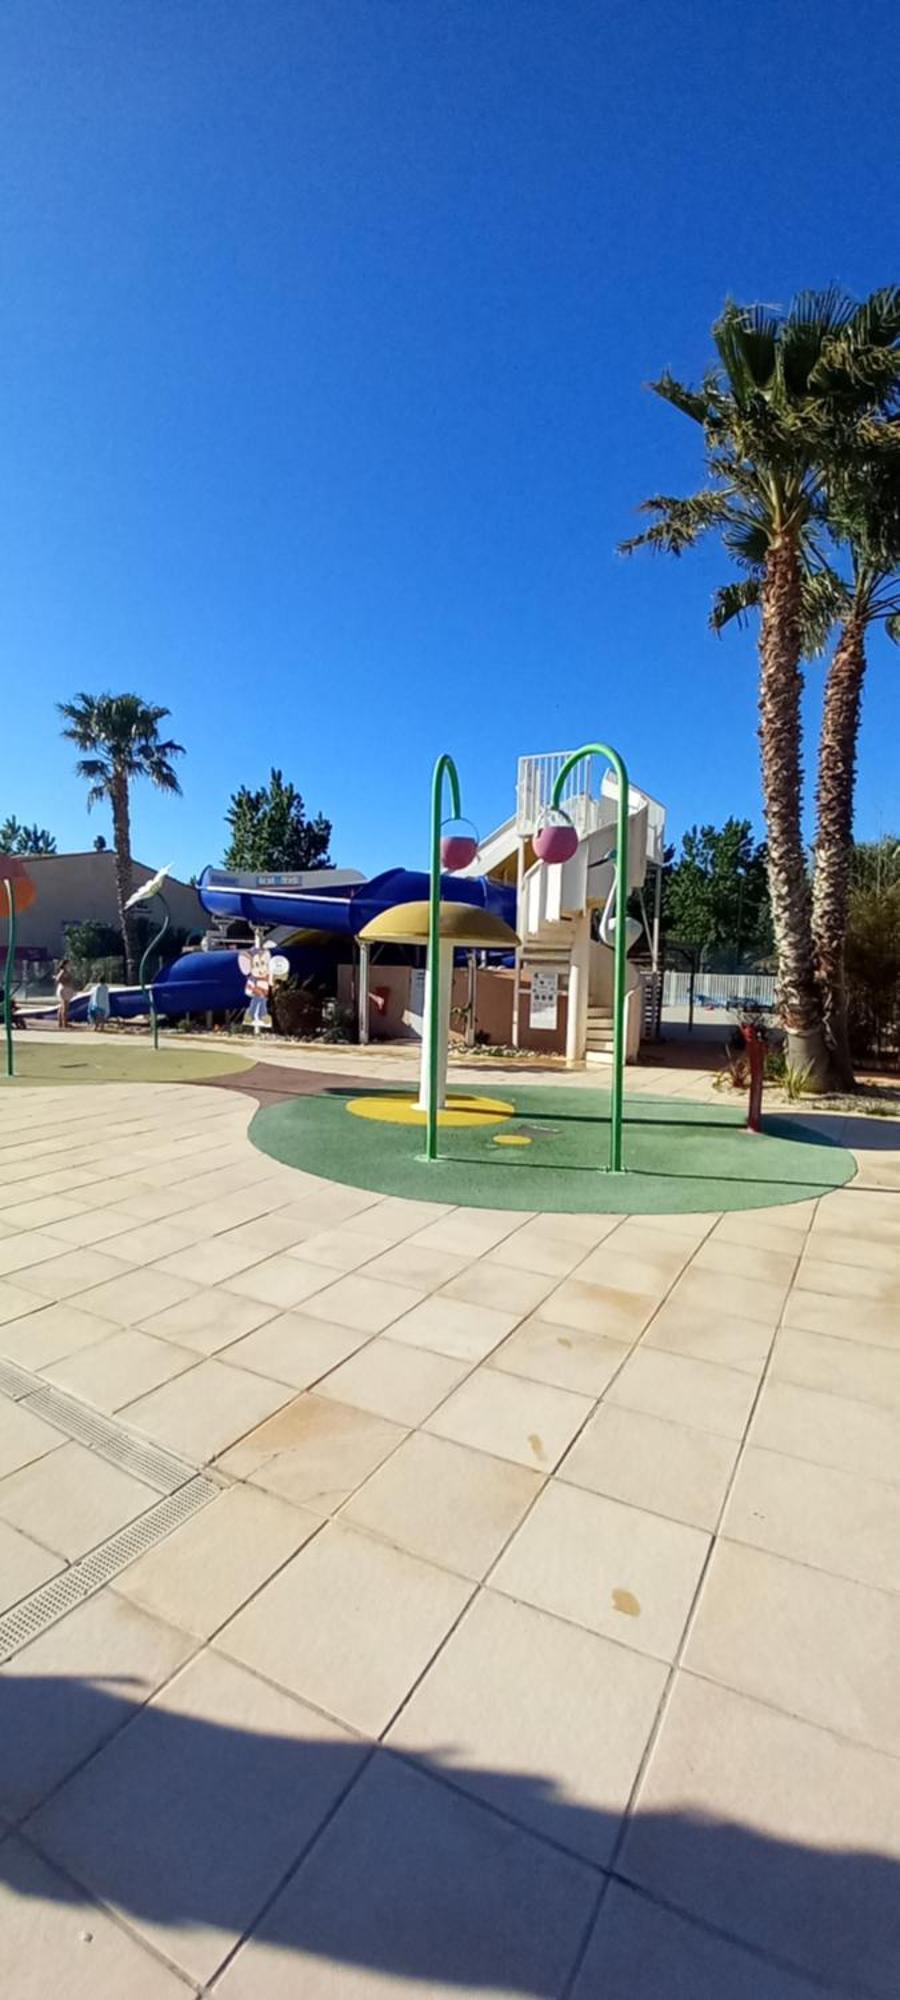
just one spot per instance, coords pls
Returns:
(256, 968)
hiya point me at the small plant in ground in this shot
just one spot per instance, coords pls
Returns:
(798, 1081)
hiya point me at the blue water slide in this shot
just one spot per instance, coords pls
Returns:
(272, 901)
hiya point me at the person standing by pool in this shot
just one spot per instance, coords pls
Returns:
(65, 988)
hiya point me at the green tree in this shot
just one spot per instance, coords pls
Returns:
(788, 398)
(872, 948)
(120, 735)
(270, 830)
(715, 896)
(18, 839)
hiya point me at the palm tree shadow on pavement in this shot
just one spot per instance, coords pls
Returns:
(363, 1866)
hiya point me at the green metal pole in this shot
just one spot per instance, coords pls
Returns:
(8, 978)
(154, 941)
(617, 1094)
(443, 765)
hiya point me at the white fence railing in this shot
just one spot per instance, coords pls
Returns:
(718, 986)
(581, 792)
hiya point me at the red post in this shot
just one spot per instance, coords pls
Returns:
(756, 1049)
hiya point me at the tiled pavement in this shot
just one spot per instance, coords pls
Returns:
(543, 1636)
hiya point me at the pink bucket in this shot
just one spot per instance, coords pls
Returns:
(457, 851)
(556, 843)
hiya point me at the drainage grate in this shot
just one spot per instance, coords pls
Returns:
(101, 1434)
(52, 1600)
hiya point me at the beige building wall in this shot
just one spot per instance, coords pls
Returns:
(81, 889)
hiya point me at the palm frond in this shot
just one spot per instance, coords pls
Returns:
(733, 603)
(892, 627)
(691, 402)
(680, 522)
(746, 340)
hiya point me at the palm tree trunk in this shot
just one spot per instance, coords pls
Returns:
(780, 689)
(121, 819)
(834, 834)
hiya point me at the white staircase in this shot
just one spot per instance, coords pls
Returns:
(599, 1048)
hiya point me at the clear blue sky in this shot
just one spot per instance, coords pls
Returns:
(324, 330)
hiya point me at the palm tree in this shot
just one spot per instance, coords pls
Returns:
(787, 396)
(864, 516)
(120, 733)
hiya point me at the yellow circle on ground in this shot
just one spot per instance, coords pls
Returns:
(511, 1139)
(457, 1111)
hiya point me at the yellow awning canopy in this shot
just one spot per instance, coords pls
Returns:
(461, 924)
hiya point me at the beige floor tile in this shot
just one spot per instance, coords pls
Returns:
(200, 1414)
(234, 1778)
(314, 1453)
(342, 1248)
(597, 1309)
(270, 1234)
(111, 1372)
(844, 1367)
(469, 1232)
(73, 1272)
(664, 1467)
(704, 1335)
(150, 1242)
(414, 1265)
(134, 1296)
(28, 1249)
(350, 1625)
(730, 1294)
(647, 1272)
(829, 1430)
(38, 1213)
(547, 1722)
(774, 1831)
(23, 1566)
(393, 1219)
(838, 1521)
(201, 1575)
(72, 1499)
(449, 1326)
(72, 1688)
(445, 1503)
(293, 1348)
(48, 1333)
(858, 1282)
(811, 1644)
(759, 1229)
(874, 1252)
(404, 1383)
(94, 1225)
(446, 1899)
(747, 1260)
(639, 1951)
(63, 1943)
(701, 1394)
(23, 1437)
(499, 1286)
(529, 1422)
(14, 1301)
(207, 1263)
(614, 1569)
(208, 1320)
(542, 1248)
(367, 1304)
(564, 1356)
(877, 1326)
(282, 1281)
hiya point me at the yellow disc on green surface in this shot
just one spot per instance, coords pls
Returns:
(511, 1139)
(459, 1110)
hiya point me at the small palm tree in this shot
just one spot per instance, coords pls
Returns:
(120, 734)
(787, 397)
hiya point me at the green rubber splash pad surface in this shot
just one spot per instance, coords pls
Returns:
(680, 1158)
